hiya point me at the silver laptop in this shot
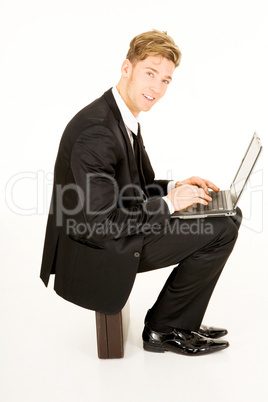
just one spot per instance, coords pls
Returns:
(224, 202)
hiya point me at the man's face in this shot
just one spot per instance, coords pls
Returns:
(146, 82)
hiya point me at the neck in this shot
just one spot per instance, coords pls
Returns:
(121, 88)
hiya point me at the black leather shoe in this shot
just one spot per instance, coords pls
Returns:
(207, 332)
(179, 341)
(212, 332)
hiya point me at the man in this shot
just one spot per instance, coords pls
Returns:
(110, 218)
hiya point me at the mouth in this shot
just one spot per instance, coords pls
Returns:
(148, 97)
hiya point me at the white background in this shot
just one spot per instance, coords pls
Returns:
(56, 57)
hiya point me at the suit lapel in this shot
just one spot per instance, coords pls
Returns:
(131, 158)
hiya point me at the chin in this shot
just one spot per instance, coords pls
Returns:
(147, 107)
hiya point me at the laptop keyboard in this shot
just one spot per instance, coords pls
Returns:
(218, 202)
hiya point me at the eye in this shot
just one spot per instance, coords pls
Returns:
(150, 74)
(166, 82)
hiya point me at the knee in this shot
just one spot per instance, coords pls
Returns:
(239, 213)
(226, 231)
(237, 219)
(230, 230)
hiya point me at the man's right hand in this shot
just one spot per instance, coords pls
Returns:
(186, 195)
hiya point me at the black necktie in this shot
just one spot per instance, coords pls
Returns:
(137, 145)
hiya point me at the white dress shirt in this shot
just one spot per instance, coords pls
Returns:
(130, 121)
(131, 124)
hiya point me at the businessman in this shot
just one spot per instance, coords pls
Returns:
(110, 219)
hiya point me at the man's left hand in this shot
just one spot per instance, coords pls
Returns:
(198, 181)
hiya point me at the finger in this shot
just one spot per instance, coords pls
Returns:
(200, 201)
(205, 188)
(206, 198)
(212, 186)
(186, 188)
(202, 183)
(206, 184)
(202, 194)
(193, 192)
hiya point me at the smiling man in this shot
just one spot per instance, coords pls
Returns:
(110, 217)
(144, 83)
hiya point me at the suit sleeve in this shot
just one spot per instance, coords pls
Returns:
(159, 188)
(95, 158)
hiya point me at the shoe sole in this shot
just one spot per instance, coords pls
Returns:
(149, 347)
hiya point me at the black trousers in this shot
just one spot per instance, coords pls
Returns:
(201, 247)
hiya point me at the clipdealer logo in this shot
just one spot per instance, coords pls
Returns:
(28, 193)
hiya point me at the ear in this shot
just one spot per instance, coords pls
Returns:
(126, 68)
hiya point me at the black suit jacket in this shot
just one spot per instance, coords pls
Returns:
(94, 234)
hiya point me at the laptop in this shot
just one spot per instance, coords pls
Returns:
(224, 202)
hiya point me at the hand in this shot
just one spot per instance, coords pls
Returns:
(197, 181)
(185, 195)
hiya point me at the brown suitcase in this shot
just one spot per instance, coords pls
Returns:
(109, 335)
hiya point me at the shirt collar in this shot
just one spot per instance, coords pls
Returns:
(130, 121)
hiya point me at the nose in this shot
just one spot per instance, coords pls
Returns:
(156, 87)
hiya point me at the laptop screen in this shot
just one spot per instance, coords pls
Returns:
(245, 168)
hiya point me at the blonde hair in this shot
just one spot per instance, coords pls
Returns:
(153, 43)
